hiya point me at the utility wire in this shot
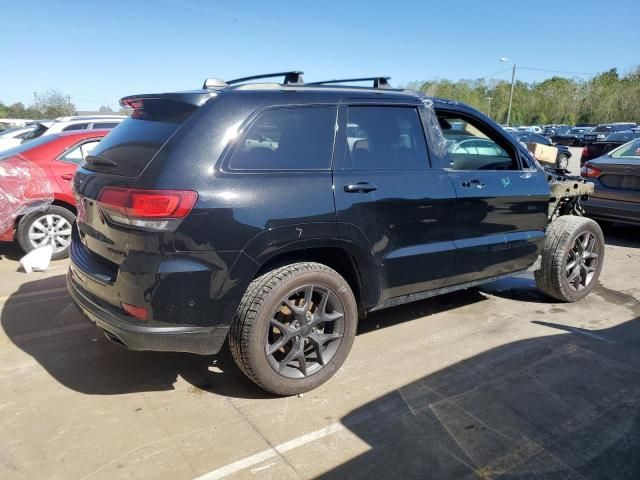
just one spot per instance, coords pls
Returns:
(556, 71)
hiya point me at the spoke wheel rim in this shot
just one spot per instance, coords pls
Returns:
(305, 331)
(50, 229)
(582, 261)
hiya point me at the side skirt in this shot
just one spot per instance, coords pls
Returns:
(392, 302)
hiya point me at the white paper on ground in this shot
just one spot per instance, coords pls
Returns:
(37, 260)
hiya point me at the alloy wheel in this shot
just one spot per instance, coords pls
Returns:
(305, 331)
(50, 229)
(582, 261)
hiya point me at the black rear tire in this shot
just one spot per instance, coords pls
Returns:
(570, 270)
(265, 301)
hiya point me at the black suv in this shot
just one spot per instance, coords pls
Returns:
(277, 215)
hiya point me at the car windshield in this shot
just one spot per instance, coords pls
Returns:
(23, 147)
(629, 150)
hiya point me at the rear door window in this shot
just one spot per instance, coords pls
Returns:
(79, 153)
(76, 126)
(385, 138)
(299, 138)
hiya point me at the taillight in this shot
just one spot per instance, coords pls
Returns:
(585, 152)
(589, 171)
(147, 209)
(135, 311)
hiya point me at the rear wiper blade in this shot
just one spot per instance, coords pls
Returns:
(100, 161)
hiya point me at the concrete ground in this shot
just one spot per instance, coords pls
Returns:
(490, 382)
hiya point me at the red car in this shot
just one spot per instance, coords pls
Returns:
(56, 157)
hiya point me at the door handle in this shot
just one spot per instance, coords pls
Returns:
(360, 187)
(473, 183)
(67, 176)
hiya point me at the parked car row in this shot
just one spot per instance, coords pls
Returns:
(58, 156)
(15, 136)
(563, 156)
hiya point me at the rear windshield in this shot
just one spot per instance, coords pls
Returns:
(27, 145)
(629, 150)
(129, 147)
(622, 136)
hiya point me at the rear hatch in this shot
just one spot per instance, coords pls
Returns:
(115, 216)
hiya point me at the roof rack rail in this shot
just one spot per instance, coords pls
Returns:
(290, 78)
(378, 82)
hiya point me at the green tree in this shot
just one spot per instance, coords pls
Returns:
(54, 103)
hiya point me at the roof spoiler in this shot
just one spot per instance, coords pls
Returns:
(378, 82)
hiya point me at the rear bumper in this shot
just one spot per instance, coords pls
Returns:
(125, 332)
(613, 210)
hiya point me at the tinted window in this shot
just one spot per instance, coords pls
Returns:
(138, 138)
(76, 126)
(287, 139)
(105, 125)
(386, 138)
(475, 147)
(622, 136)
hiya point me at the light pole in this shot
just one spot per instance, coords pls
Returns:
(513, 81)
(489, 107)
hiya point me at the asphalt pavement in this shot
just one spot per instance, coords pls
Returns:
(491, 382)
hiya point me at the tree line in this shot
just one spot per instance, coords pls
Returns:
(48, 105)
(606, 97)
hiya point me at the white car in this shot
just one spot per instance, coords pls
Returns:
(12, 137)
(60, 124)
(64, 124)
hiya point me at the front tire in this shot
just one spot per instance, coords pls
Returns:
(572, 258)
(49, 227)
(294, 328)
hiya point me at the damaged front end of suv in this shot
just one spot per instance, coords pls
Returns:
(566, 192)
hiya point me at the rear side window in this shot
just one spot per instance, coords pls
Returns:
(128, 149)
(105, 125)
(76, 126)
(299, 138)
(385, 138)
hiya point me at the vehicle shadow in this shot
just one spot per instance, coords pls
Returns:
(555, 406)
(10, 251)
(73, 351)
(621, 235)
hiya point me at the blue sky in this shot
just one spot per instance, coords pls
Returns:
(100, 50)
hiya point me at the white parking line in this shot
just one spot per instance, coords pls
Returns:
(272, 452)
